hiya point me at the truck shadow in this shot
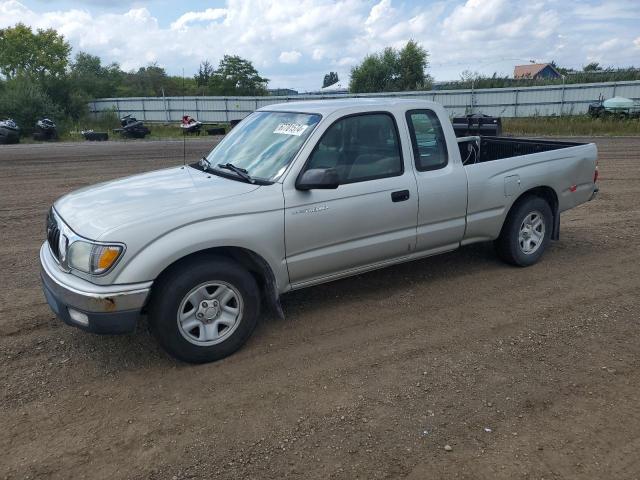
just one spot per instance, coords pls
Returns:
(394, 279)
(465, 265)
(140, 350)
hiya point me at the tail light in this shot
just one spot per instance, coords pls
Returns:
(595, 175)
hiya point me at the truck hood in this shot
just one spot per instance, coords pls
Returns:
(95, 210)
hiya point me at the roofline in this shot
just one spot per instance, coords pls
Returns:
(533, 74)
(331, 106)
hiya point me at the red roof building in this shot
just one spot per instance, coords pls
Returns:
(535, 71)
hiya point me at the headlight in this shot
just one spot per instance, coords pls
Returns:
(93, 258)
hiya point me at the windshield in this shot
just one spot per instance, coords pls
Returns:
(264, 143)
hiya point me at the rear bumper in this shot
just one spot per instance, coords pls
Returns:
(95, 308)
(595, 193)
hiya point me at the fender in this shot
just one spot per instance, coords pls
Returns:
(242, 231)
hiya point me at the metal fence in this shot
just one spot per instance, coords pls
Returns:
(572, 99)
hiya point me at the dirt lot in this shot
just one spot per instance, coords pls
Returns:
(525, 373)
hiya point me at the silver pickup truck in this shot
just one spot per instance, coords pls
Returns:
(296, 195)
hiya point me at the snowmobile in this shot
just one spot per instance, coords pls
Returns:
(132, 128)
(45, 130)
(190, 125)
(9, 131)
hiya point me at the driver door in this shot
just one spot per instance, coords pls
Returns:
(369, 219)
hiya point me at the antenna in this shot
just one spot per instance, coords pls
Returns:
(184, 133)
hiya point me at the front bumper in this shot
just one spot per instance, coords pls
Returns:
(95, 308)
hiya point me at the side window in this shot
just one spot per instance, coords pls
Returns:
(427, 137)
(360, 147)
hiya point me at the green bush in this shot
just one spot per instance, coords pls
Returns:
(26, 102)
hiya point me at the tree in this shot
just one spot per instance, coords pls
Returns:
(592, 67)
(23, 52)
(330, 78)
(413, 61)
(148, 81)
(392, 70)
(88, 75)
(25, 101)
(205, 72)
(237, 76)
(561, 70)
(376, 73)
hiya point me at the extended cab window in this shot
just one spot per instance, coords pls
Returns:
(360, 147)
(427, 138)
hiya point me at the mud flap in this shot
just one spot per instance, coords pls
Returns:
(269, 288)
(555, 235)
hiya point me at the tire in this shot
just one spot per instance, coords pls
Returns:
(211, 332)
(526, 232)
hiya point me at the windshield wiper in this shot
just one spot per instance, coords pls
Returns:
(241, 172)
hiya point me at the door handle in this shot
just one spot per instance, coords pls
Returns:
(400, 196)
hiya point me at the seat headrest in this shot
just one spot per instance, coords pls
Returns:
(372, 133)
(332, 137)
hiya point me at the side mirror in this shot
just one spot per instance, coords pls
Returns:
(318, 178)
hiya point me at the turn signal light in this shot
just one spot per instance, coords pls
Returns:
(107, 257)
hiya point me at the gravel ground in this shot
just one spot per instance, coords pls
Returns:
(521, 373)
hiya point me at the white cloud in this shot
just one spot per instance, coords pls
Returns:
(206, 15)
(296, 42)
(318, 54)
(347, 61)
(609, 45)
(379, 11)
(290, 57)
(607, 11)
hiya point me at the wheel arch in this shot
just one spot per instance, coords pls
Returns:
(257, 266)
(550, 196)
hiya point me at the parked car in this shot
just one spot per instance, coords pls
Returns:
(296, 195)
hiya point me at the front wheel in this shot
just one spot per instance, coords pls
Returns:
(526, 232)
(204, 309)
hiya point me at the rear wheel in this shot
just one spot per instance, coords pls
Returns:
(526, 232)
(204, 309)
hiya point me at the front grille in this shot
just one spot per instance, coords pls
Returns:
(53, 234)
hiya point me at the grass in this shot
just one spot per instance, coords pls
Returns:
(568, 126)
(70, 131)
(158, 132)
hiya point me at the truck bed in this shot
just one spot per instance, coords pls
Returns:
(498, 148)
(564, 170)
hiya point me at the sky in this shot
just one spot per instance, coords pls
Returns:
(295, 43)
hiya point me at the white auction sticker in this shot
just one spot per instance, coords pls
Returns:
(290, 129)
